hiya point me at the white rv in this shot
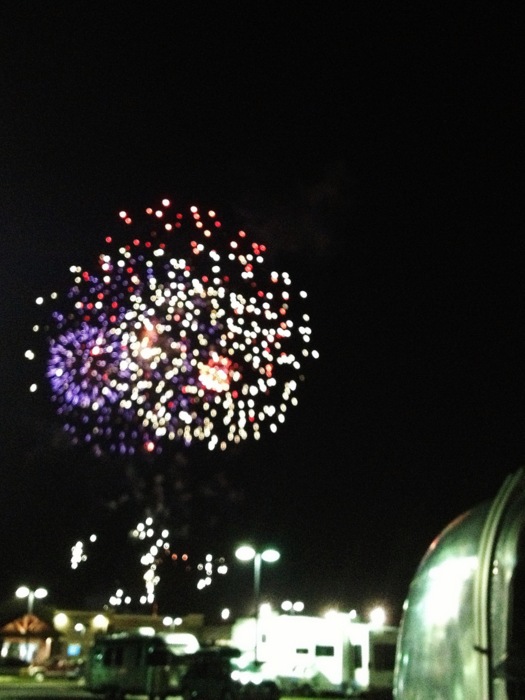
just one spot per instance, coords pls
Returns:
(315, 655)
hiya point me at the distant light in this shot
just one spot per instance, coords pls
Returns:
(331, 614)
(225, 614)
(270, 555)
(61, 621)
(100, 622)
(245, 553)
(377, 616)
(25, 592)
(288, 606)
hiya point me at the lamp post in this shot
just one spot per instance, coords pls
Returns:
(25, 592)
(171, 622)
(292, 608)
(248, 553)
(30, 594)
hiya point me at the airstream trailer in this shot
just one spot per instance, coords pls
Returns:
(136, 664)
(462, 632)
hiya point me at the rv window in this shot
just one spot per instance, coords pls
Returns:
(301, 651)
(158, 657)
(358, 656)
(324, 651)
(384, 657)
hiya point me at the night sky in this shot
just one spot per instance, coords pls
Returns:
(378, 151)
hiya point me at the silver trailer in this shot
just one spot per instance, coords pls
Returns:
(462, 633)
(135, 664)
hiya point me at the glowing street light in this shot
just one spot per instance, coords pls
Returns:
(25, 592)
(288, 607)
(377, 616)
(248, 553)
(30, 594)
(171, 622)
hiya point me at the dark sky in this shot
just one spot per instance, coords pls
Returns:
(379, 152)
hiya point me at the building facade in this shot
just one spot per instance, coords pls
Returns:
(72, 632)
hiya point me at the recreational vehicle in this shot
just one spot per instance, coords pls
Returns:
(137, 664)
(315, 655)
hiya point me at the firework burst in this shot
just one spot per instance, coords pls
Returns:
(180, 333)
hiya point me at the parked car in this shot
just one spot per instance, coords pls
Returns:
(12, 666)
(209, 676)
(56, 667)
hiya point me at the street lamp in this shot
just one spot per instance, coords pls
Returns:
(248, 553)
(30, 594)
(377, 616)
(292, 608)
(25, 592)
(171, 622)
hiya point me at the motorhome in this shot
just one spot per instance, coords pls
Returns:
(462, 632)
(139, 664)
(333, 655)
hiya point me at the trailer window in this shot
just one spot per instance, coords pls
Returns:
(517, 599)
(514, 670)
(113, 656)
(301, 650)
(324, 651)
